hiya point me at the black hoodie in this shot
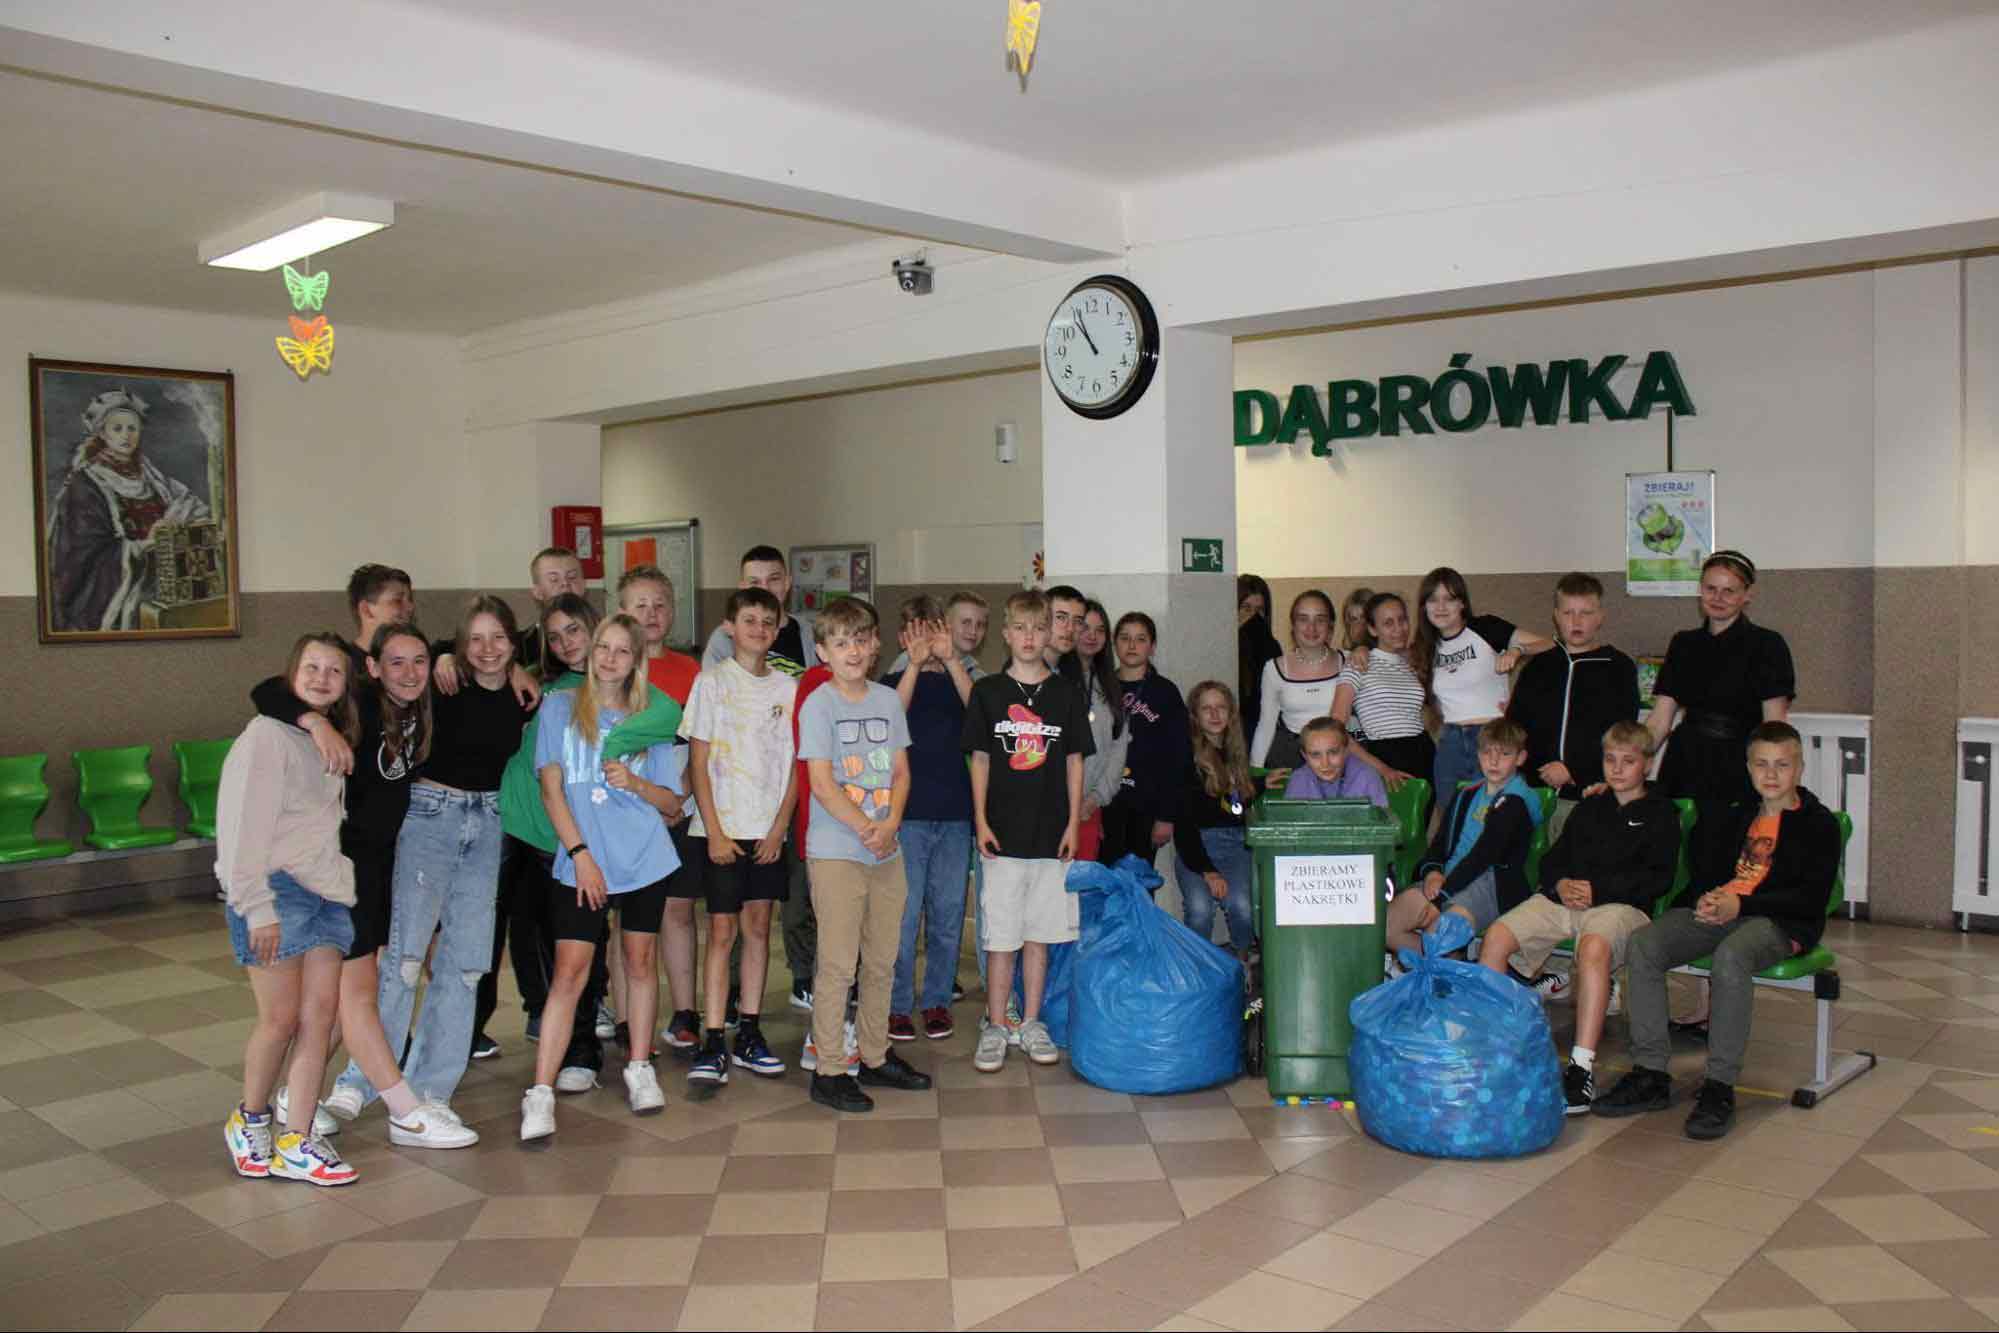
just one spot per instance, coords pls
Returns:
(1797, 886)
(1155, 763)
(1567, 701)
(1627, 852)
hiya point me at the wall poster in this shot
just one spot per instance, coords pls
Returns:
(1668, 532)
(823, 574)
(674, 544)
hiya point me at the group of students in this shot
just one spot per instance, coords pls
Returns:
(402, 807)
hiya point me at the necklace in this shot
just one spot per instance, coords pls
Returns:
(1025, 693)
(1324, 657)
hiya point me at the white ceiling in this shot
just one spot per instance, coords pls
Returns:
(1138, 89)
(106, 197)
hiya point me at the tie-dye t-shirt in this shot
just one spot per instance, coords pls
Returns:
(861, 739)
(1028, 732)
(746, 721)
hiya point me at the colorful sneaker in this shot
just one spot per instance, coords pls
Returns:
(344, 1102)
(900, 1028)
(310, 1158)
(537, 1113)
(808, 1059)
(683, 1031)
(432, 1125)
(249, 1140)
(323, 1125)
(1035, 1041)
(991, 1053)
(607, 1022)
(711, 1066)
(1578, 1088)
(576, 1078)
(754, 1054)
(937, 1024)
(642, 1089)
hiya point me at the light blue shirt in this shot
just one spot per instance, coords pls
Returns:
(860, 739)
(626, 834)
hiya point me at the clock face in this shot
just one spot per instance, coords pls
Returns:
(1101, 344)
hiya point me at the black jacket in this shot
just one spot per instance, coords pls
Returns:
(1627, 852)
(1198, 811)
(1567, 702)
(1155, 763)
(1798, 885)
(1502, 848)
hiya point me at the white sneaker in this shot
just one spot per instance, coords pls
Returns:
(432, 1125)
(607, 1022)
(1034, 1040)
(642, 1089)
(343, 1102)
(1615, 1006)
(808, 1059)
(576, 1078)
(537, 1113)
(1553, 987)
(990, 1054)
(323, 1125)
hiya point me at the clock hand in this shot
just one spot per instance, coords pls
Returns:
(1084, 330)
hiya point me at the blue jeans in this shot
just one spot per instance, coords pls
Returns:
(1457, 760)
(447, 882)
(936, 854)
(1225, 847)
(978, 908)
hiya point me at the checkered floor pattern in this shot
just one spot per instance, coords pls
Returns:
(1026, 1199)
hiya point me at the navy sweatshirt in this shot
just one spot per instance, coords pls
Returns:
(1155, 763)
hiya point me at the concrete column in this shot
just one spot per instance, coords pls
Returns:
(1121, 497)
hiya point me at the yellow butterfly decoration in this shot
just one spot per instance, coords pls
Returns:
(1023, 28)
(311, 346)
(306, 291)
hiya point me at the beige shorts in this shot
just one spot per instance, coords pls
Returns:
(1025, 901)
(1540, 923)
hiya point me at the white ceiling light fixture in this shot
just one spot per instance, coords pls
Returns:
(310, 226)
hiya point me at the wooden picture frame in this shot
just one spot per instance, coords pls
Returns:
(134, 477)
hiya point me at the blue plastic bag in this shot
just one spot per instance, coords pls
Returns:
(1454, 1060)
(1153, 1007)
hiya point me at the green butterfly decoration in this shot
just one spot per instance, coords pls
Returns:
(306, 291)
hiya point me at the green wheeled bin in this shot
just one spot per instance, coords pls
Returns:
(1320, 872)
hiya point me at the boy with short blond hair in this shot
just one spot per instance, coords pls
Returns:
(1613, 860)
(1763, 870)
(855, 743)
(1569, 697)
(1028, 731)
(1476, 865)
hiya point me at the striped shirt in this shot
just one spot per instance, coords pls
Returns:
(1388, 699)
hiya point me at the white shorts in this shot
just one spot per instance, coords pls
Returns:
(1026, 901)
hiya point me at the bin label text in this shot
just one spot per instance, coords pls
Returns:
(1325, 890)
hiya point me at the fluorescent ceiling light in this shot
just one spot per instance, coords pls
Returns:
(308, 227)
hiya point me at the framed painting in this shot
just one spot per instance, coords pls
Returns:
(135, 502)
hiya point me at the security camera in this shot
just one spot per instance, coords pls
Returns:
(913, 276)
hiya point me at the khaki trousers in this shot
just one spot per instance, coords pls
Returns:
(860, 918)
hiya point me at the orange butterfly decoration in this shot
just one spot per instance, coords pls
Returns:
(310, 347)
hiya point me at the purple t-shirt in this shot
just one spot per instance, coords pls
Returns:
(1356, 779)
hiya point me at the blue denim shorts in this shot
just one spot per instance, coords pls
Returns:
(305, 921)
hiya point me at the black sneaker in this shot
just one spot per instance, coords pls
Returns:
(1579, 1088)
(484, 1047)
(801, 996)
(1638, 1091)
(711, 1066)
(957, 990)
(754, 1054)
(842, 1093)
(1714, 1110)
(683, 1031)
(894, 1072)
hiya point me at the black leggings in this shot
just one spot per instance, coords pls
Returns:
(1127, 829)
(525, 876)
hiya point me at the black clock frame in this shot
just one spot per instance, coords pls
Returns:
(1148, 350)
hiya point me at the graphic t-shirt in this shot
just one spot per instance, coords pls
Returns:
(1463, 678)
(1028, 733)
(861, 740)
(626, 833)
(1752, 863)
(746, 721)
(940, 788)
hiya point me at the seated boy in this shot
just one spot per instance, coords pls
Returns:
(1614, 858)
(1327, 775)
(1763, 871)
(1477, 863)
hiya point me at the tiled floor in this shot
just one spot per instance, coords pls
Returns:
(1023, 1200)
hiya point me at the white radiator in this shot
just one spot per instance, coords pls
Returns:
(1972, 890)
(1836, 770)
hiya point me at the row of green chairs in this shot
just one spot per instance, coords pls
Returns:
(112, 786)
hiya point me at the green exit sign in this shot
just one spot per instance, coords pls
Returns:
(1200, 555)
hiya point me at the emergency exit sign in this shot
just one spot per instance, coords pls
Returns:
(1200, 555)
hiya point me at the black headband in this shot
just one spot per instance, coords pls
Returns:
(1735, 560)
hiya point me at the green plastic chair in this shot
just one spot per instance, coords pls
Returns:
(1537, 846)
(200, 778)
(23, 797)
(111, 787)
(1410, 804)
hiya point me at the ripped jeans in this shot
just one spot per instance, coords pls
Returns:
(446, 883)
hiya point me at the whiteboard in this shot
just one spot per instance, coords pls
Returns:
(674, 544)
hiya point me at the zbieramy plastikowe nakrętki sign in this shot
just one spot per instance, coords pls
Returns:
(1459, 399)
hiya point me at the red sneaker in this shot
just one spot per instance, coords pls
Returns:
(900, 1028)
(937, 1023)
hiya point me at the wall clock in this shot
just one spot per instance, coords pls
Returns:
(1101, 346)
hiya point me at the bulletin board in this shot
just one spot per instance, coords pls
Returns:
(822, 574)
(674, 544)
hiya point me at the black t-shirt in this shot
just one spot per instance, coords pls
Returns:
(1028, 732)
(1730, 673)
(477, 732)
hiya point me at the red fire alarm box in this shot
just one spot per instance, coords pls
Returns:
(581, 529)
